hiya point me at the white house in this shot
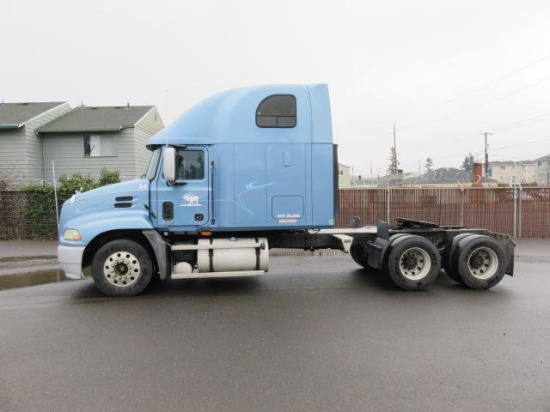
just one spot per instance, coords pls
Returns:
(21, 150)
(88, 139)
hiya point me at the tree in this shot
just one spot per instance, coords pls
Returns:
(394, 163)
(468, 162)
(428, 165)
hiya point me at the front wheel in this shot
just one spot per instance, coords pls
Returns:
(122, 268)
(413, 263)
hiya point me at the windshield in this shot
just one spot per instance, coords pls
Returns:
(152, 169)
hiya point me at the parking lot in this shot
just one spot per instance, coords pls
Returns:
(316, 333)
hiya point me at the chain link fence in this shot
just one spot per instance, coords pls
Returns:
(25, 215)
(519, 212)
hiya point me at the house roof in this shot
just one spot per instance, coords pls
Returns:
(444, 175)
(96, 119)
(14, 115)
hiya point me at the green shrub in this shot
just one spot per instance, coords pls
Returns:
(107, 177)
(40, 210)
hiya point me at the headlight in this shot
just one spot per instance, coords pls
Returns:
(72, 234)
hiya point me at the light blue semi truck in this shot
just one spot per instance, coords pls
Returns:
(242, 172)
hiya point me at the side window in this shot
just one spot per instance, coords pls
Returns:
(278, 110)
(190, 165)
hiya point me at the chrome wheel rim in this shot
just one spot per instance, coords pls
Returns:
(121, 269)
(415, 263)
(483, 263)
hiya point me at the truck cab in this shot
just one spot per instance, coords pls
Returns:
(240, 165)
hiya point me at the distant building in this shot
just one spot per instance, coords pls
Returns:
(542, 171)
(21, 150)
(509, 172)
(87, 139)
(344, 176)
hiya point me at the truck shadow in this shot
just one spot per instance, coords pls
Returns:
(204, 287)
(183, 288)
(376, 280)
(358, 280)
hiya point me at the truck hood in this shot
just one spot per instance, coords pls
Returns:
(118, 196)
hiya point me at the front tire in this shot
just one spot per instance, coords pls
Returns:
(413, 263)
(122, 267)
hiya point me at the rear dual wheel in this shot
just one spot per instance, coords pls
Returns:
(413, 263)
(476, 261)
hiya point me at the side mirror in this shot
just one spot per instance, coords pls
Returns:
(169, 165)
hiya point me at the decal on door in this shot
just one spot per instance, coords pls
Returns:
(191, 199)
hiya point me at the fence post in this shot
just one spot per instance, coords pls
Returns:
(461, 204)
(55, 195)
(388, 200)
(519, 216)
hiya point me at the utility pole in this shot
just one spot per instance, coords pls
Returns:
(395, 163)
(394, 142)
(486, 153)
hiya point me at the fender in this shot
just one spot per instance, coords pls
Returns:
(379, 249)
(92, 225)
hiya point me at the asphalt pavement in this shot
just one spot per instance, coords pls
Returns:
(314, 334)
(23, 257)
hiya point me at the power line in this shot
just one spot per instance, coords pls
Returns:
(493, 149)
(484, 103)
(486, 85)
(524, 122)
(490, 83)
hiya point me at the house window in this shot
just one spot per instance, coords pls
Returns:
(97, 146)
(277, 111)
(190, 164)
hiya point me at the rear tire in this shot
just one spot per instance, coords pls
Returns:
(413, 263)
(481, 262)
(360, 256)
(450, 263)
(122, 268)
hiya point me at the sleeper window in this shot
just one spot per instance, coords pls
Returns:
(277, 111)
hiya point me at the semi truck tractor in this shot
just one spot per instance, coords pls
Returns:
(240, 173)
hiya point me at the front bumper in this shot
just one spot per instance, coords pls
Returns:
(70, 258)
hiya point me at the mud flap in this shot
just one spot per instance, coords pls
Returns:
(377, 249)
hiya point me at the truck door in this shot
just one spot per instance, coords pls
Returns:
(185, 204)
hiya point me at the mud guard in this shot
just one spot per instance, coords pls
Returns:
(377, 249)
(161, 249)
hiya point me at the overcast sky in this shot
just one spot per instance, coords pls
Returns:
(441, 71)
